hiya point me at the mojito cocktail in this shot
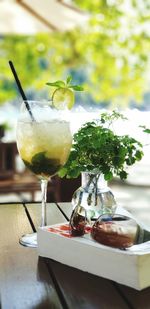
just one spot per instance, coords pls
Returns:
(44, 143)
(44, 147)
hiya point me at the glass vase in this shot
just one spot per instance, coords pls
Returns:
(94, 196)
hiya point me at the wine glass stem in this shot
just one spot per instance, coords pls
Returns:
(44, 183)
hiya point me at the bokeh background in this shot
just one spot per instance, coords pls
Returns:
(107, 51)
(103, 44)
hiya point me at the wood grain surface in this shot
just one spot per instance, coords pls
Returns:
(27, 281)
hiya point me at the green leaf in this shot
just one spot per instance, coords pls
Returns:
(58, 83)
(76, 87)
(108, 176)
(139, 155)
(62, 172)
(69, 79)
(123, 175)
(146, 130)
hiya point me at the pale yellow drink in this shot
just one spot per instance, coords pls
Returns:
(44, 146)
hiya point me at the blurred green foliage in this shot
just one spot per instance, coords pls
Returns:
(112, 50)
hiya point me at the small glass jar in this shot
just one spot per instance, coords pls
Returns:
(118, 231)
(78, 221)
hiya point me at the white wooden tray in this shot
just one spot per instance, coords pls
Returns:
(130, 267)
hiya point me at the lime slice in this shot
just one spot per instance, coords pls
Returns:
(63, 98)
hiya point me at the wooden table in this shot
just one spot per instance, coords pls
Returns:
(27, 281)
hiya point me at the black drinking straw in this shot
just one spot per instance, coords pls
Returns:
(20, 89)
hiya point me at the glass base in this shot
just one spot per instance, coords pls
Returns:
(29, 240)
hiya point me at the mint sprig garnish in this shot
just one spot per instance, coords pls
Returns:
(65, 84)
(41, 165)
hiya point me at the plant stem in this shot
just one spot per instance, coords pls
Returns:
(44, 183)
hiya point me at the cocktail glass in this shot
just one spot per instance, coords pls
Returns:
(44, 141)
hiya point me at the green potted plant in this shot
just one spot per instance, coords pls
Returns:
(99, 154)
